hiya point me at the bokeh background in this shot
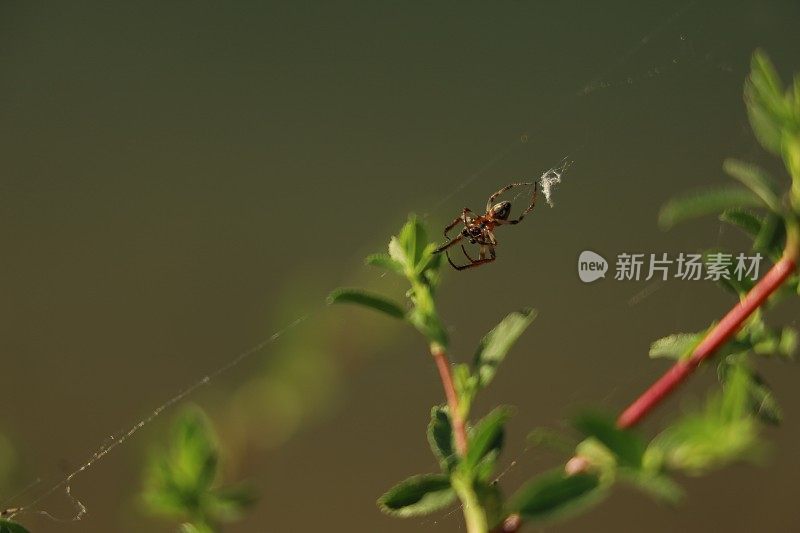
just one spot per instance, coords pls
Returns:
(181, 180)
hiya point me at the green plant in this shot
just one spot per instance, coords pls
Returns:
(7, 526)
(466, 454)
(7, 462)
(180, 480)
(607, 451)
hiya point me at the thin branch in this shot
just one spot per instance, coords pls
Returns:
(456, 418)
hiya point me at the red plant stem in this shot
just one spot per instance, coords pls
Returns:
(459, 427)
(715, 338)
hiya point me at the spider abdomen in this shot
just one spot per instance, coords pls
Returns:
(501, 211)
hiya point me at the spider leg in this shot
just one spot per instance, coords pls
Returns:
(527, 210)
(492, 198)
(448, 244)
(463, 217)
(487, 242)
(464, 249)
(488, 238)
(479, 262)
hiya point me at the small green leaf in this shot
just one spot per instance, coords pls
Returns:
(757, 180)
(385, 262)
(769, 238)
(195, 455)
(229, 503)
(624, 444)
(553, 494)
(658, 486)
(491, 499)
(486, 436)
(496, 344)
(763, 403)
(179, 480)
(398, 253)
(705, 203)
(788, 343)
(722, 432)
(418, 495)
(766, 106)
(440, 438)
(749, 222)
(764, 127)
(413, 239)
(676, 346)
(7, 526)
(466, 385)
(367, 299)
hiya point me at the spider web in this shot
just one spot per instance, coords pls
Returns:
(547, 180)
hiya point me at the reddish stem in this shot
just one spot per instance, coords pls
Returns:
(459, 426)
(715, 338)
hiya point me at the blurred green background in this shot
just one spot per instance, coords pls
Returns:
(182, 179)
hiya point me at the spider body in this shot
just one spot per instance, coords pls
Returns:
(479, 229)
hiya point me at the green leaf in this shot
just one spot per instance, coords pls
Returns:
(705, 203)
(397, 252)
(658, 486)
(769, 239)
(757, 180)
(367, 299)
(385, 262)
(766, 106)
(466, 385)
(735, 394)
(624, 444)
(491, 499)
(7, 526)
(676, 346)
(179, 479)
(229, 503)
(766, 130)
(749, 222)
(554, 494)
(763, 403)
(440, 438)
(788, 343)
(486, 436)
(194, 457)
(722, 432)
(413, 239)
(496, 344)
(418, 495)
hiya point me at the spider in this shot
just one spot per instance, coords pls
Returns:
(480, 229)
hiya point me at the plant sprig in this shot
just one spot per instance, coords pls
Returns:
(180, 480)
